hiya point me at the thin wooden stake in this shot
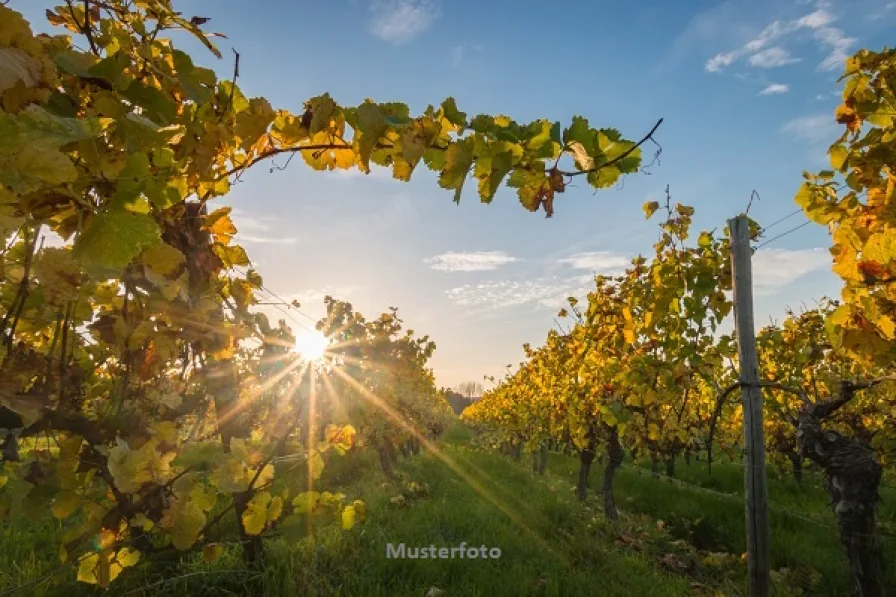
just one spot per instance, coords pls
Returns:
(755, 488)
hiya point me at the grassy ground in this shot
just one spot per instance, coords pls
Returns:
(708, 512)
(550, 544)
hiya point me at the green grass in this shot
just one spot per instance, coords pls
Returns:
(550, 543)
(708, 511)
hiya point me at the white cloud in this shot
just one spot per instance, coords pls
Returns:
(817, 19)
(469, 261)
(545, 292)
(758, 50)
(720, 62)
(258, 227)
(776, 268)
(398, 21)
(817, 128)
(838, 45)
(601, 262)
(772, 58)
(775, 88)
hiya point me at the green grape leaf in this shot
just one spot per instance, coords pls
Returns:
(453, 115)
(458, 161)
(112, 239)
(371, 126)
(322, 110)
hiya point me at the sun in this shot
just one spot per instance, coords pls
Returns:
(312, 345)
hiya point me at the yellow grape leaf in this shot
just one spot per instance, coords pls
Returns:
(887, 326)
(231, 475)
(184, 520)
(838, 154)
(141, 521)
(65, 504)
(330, 152)
(305, 502)
(704, 240)
(267, 474)
(219, 224)
(184, 485)
(341, 438)
(316, 466)
(212, 551)
(127, 557)
(162, 258)
(232, 255)
(348, 517)
(360, 509)
(87, 569)
(239, 449)
(880, 247)
(275, 508)
(650, 208)
(102, 568)
(130, 469)
(255, 517)
(203, 497)
(252, 123)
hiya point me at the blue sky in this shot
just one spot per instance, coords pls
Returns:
(747, 90)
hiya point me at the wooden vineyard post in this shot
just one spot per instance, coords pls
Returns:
(755, 489)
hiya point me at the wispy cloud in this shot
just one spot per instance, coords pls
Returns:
(544, 292)
(549, 292)
(772, 270)
(775, 89)
(772, 58)
(469, 261)
(460, 53)
(817, 128)
(257, 228)
(601, 262)
(839, 46)
(881, 12)
(398, 21)
(775, 268)
(760, 51)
